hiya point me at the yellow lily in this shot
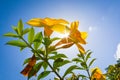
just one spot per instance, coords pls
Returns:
(50, 25)
(97, 75)
(75, 36)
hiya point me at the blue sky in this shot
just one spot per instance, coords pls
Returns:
(100, 18)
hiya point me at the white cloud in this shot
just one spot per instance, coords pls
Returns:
(117, 55)
(91, 28)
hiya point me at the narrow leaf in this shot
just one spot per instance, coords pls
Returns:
(60, 62)
(15, 29)
(43, 74)
(38, 40)
(17, 43)
(26, 30)
(11, 35)
(45, 65)
(26, 61)
(77, 60)
(91, 62)
(31, 35)
(69, 70)
(20, 27)
(35, 69)
(88, 56)
(58, 56)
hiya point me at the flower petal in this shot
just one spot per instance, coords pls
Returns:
(82, 50)
(60, 28)
(47, 31)
(36, 22)
(67, 45)
(84, 35)
(63, 41)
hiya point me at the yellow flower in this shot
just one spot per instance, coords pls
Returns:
(75, 36)
(50, 25)
(97, 75)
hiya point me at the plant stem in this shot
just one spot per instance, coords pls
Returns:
(87, 68)
(41, 57)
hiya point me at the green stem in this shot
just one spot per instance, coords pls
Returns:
(87, 67)
(41, 57)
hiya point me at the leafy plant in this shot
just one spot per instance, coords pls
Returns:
(45, 56)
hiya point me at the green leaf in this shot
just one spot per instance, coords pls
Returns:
(43, 74)
(35, 69)
(69, 70)
(93, 72)
(77, 60)
(26, 30)
(47, 41)
(38, 40)
(15, 29)
(31, 35)
(58, 56)
(20, 27)
(17, 43)
(11, 35)
(26, 61)
(83, 64)
(54, 39)
(60, 62)
(91, 62)
(88, 56)
(45, 65)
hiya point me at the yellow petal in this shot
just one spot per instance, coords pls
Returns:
(77, 38)
(60, 28)
(36, 22)
(74, 25)
(82, 50)
(47, 31)
(51, 21)
(29, 66)
(84, 35)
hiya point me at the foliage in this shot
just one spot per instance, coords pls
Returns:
(45, 56)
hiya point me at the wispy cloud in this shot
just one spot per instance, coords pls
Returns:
(117, 55)
(91, 28)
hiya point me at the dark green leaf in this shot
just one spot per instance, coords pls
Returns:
(93, 72)
(15, 29)
(26, 61)
(47, 41)
(38, 40)
(11, 34)
(43, 74)
(88, 55)
(45, 65)
(60, 62)
(26, 30)
(69, 70)
(58, 56)
(17, 43)
(77, 60)
(31, 35)
(20, 27)
(83, 64)
(35, 69)
(91, 62)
